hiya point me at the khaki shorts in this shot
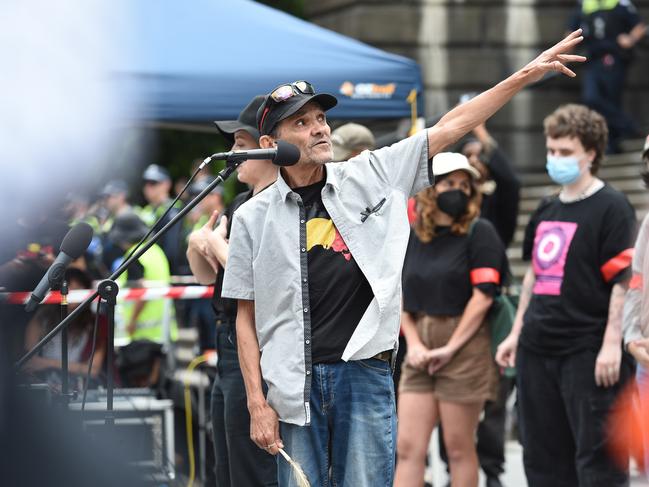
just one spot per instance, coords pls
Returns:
(470, 376)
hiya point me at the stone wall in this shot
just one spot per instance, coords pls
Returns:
(470, 45)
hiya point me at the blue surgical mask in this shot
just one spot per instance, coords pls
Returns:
(563, 170)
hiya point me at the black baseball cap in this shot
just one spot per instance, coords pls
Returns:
(127, 228)
(302, 92)
(246, 121)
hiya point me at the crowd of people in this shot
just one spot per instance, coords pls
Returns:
(353, 291)
(315, 355)
(119, 225)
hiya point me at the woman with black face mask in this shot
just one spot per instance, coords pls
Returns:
(454, 266)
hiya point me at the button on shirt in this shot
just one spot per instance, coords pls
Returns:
(366, 198)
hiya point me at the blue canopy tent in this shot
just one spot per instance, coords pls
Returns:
(204, 60)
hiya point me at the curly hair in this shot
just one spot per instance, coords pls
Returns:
(579, 121)
(425, 227)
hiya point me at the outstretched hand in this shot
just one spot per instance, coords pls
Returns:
(556, 58)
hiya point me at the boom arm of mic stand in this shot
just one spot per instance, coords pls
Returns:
(220, 178)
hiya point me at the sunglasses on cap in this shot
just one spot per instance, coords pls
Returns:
(288, 90)
(283, 93)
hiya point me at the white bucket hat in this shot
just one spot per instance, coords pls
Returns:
(447, 162)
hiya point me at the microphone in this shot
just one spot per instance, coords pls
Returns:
(285, 154)
(74, 243)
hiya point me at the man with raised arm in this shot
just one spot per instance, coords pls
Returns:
(315, 264)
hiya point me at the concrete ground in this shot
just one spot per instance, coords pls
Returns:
(514, 475)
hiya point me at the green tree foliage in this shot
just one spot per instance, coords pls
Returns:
(178, 149)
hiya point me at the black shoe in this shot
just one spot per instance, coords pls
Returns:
(493, 482)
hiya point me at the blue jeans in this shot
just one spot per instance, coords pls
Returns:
(642, 379)
(351, 440)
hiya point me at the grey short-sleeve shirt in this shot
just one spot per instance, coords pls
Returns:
(366, 198)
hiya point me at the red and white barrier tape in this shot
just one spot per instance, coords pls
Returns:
(126, 294)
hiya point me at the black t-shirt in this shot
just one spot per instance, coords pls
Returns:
(579, 250)
(339, 293)
(501, 207)
(439, 276)
(225, 308)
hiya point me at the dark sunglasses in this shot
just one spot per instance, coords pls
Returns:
(283, 93)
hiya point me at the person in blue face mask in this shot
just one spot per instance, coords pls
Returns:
(566, 342)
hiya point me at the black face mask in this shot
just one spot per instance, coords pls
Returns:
(453, 202)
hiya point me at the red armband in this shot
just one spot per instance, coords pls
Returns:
(617, 264)
(483, 275)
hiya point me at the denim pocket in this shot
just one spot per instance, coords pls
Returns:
(380, 366)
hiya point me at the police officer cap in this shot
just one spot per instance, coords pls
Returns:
(116, 186)
(156, 174)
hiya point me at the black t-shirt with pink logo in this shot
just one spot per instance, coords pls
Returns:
(579, 250)
(339, 293)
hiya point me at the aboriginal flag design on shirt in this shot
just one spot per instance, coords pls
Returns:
(339, 293)
(322, 232)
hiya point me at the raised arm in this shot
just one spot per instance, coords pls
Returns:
(463, 118)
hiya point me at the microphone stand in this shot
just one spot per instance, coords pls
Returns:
(64, 344)
(108, 290)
